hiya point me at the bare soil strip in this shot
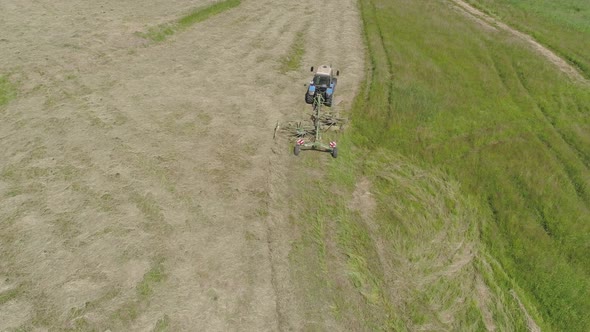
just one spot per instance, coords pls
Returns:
(532, 325)
(492, 23)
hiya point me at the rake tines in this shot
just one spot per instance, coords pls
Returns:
(295, 129)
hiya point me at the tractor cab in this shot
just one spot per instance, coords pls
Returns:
(324, 82)
(321, 80)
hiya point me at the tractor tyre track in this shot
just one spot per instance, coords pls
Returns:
(491, 23)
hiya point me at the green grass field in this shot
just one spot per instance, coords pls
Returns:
(470, 140)
(563, 25)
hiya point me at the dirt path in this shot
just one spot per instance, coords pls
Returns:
(490, 22)
(139, 186)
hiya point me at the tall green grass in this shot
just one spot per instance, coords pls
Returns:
(412, 263)
(563, 25)
(469, 138)
(500, 120)
(161, 32)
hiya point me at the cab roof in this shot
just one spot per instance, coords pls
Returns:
(324, 70)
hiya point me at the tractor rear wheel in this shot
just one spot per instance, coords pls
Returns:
(328, 102)
(308, 98)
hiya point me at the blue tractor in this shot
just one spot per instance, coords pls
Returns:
(324, 82)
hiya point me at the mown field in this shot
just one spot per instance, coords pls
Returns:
(563, 25)
(460, 200)
(140, 188)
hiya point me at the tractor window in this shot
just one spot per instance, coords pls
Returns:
(321, 80)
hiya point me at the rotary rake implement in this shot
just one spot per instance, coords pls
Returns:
(307, 134)
(318, 119)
